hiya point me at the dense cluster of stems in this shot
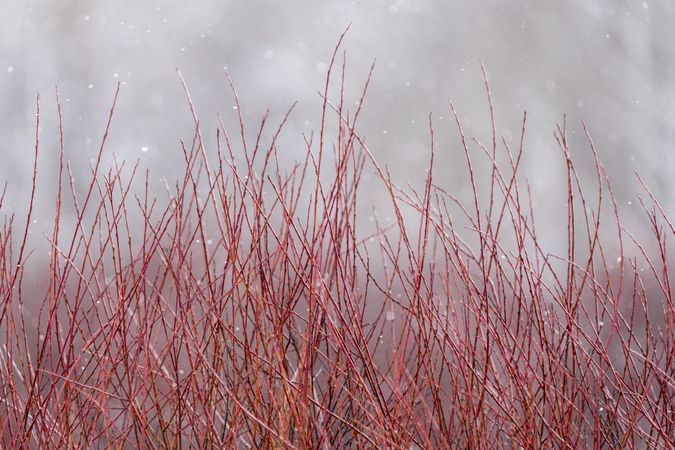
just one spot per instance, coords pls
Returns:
(246, 308)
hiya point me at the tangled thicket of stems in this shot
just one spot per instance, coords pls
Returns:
(245, 309)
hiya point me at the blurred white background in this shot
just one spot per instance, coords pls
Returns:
(610, 63)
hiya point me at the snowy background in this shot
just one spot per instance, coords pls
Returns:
(610, 63)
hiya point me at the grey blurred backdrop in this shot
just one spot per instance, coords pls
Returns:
(610, 63)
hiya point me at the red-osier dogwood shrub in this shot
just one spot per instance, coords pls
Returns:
(245, 308)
